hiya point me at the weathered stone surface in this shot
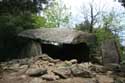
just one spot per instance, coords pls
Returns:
(113, 67)
(104, 79)
(31, 49)
(14, 66)
(119, 80)
(36, 80)
(98, 68)
(63, 72)
(58, 35)
(58, 43)
(110, 52)
(23, 67)
(36, 71)
(46, 58)
(80, 71)
(73, 61)
(50, 77)
(122, 67)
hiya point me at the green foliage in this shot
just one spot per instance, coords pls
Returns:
(57, 14)
(103, 35)
(17, 7)
(18, 15)
(83, 26)
(11, 25)
(39, 21)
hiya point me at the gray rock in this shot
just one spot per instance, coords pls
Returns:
(104, 79)
(36, 80)
(36, 71)
(23, 66)
(118, 80)
(50, 77)
(110, 53)
(80, 71)
(46, 57)
(14, 66)
(63, 72)
(98, 68)
(122, 68)
(113, 67)
(31, 49)
(51, 64)
(58, 35)
(73, 61)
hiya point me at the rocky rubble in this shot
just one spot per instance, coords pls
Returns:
(44, 68)
(36, 71)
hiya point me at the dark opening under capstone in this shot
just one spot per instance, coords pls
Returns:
(67, 51)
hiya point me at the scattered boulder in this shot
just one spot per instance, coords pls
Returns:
(73, 61)
(50, 77)
(36, 71)
(63, 72)
(14, 66)
(23, 67)
(122, 68)
(80, 71)
(98, 68)
(119, 80)
(51, 64)
(113, 67)
(45, 57)
(36, 80)
(86, 64)
(104, 79)
(108, 73)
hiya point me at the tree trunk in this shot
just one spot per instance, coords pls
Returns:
(92, 19)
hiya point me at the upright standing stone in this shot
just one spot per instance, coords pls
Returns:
(33, 48)
(110, 52)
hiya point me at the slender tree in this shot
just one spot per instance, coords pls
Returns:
(91, 13)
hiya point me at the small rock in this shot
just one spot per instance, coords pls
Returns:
(36, 80)
(73, 61)
(36, 71)
(113, 67)
(86, 65)
(50, 77)
(104, 79)
(46, 57)
(51, 64)
(23, 76)
(109, 73)
(67, 64)
(98, 68)
(121, 74)
(63, 72)
(80, 71)
(119, 80)
(14, 66)
(122, 68)
(24, 66)
(55, 61)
